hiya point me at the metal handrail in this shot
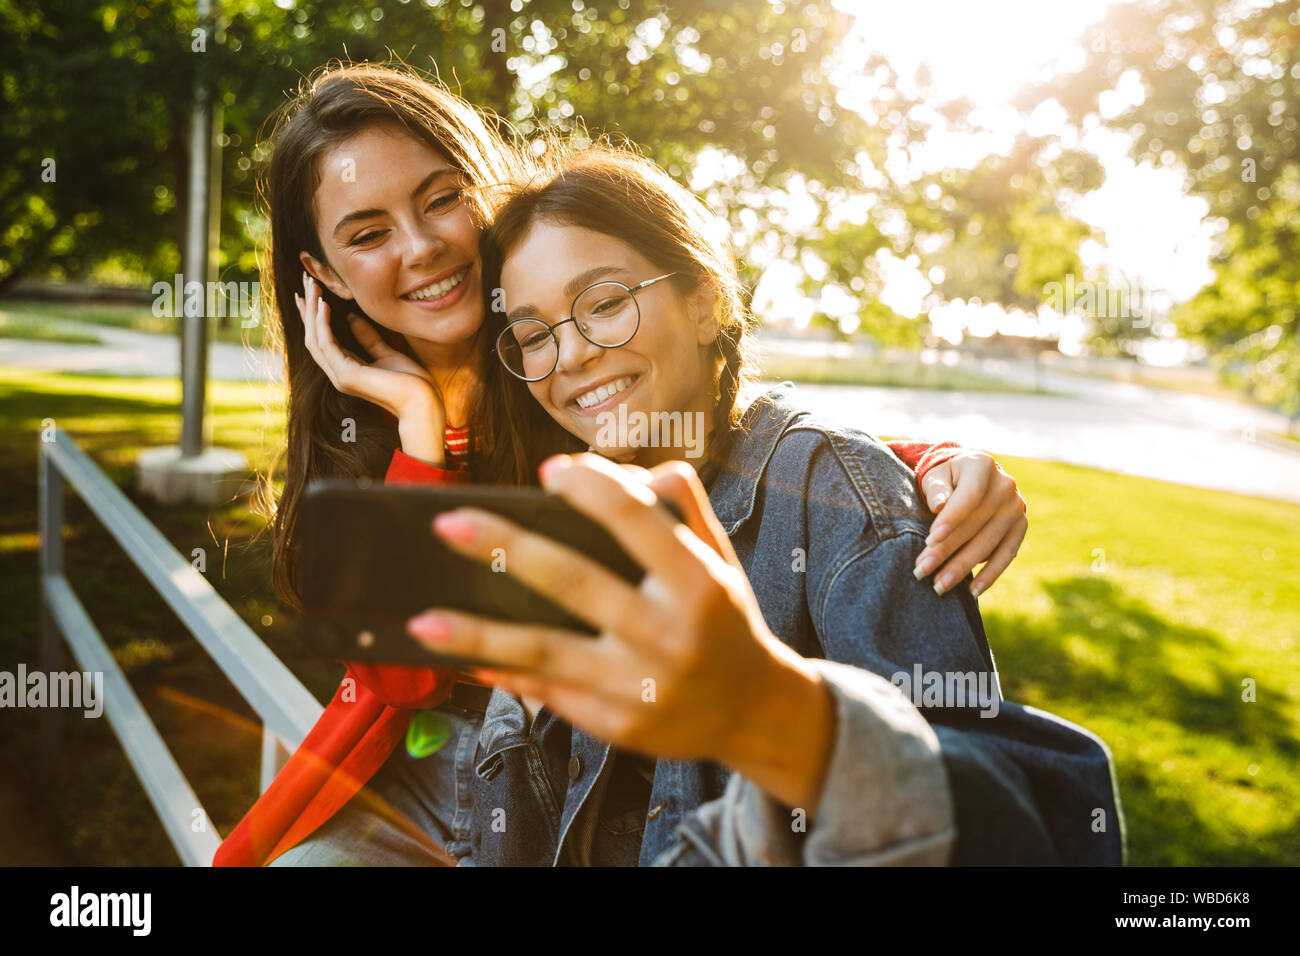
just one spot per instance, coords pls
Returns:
(288, 710)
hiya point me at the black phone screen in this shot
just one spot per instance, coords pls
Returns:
(369, 561)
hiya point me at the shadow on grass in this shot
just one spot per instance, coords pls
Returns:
(1138, 668)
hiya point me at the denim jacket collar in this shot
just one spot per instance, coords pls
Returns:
(765, 421)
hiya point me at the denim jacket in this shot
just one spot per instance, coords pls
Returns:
(924, 769)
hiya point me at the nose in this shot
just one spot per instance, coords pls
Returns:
(575, 350)
(422, 243)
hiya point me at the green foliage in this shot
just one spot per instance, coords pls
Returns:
(1222, 101)
(1005, 236)
(90, 133)
(745, 80)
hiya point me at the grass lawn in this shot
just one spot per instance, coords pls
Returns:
(22, 326)
(37, 315)
(1139, 609)
(841, 370)
(1136, 608)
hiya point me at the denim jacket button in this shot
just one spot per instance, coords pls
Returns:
(575, 767)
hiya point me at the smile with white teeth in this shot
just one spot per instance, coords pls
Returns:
(438, 289)
(598, 395)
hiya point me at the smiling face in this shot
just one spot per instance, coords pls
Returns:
(398, 239)
(664, 368)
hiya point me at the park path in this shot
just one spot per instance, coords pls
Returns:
(127, 352)
(1134, 429)
(1127, 436)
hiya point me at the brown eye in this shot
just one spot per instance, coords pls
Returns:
(445, 200)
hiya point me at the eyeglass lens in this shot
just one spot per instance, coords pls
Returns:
(606, 314)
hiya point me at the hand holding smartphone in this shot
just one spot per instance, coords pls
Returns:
(369, 561)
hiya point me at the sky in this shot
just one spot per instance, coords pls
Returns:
(986, 50)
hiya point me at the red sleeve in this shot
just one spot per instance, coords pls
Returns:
(922, 456)
(405, 470)
(400, 685)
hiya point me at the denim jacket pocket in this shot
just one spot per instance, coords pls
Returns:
(621, 824)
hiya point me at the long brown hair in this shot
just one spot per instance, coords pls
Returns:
(616, 192)
(331, 108)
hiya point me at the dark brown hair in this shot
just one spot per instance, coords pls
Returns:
(616, 192)
(331, 108)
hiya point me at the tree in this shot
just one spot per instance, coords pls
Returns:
(749, 83)
(1221, 96)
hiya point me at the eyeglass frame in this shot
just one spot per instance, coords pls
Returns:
(632, 291)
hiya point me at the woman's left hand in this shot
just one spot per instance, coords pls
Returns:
(684, 666)
(981, 518)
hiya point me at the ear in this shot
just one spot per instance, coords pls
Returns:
(703, 305)
(325, 275)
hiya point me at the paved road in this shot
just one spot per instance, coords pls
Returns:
(1174, 436)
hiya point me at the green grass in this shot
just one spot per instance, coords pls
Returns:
(22, 327)
(137, 318)
(1136, 608)
(835, 370)
(1290, 441)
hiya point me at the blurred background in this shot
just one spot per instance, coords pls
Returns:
(1063, 233)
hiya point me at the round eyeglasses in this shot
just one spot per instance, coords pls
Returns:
(606, 314)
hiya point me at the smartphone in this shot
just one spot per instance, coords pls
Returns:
(369, 561)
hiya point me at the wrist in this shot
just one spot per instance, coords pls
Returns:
(785, 742)
(420, 429)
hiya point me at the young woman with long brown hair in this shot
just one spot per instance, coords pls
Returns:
(378, 185)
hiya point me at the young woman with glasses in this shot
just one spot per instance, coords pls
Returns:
(757, 698)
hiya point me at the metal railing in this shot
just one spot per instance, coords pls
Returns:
(288, 710)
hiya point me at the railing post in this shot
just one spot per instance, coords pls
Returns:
(53, 655)
(274, 756)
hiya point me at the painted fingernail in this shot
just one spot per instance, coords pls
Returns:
(454, 527)
(940, 498)
(976, 589)
(429, 627)
(936, 533)
(924, 568)
(553, 466)
(942, 584)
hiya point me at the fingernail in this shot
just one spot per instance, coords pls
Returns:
(924, 568)
(976, 589)
(454, 527)
(936, 533)
(429, 627)
(553, 466)
(940, 498)
(942, 584)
